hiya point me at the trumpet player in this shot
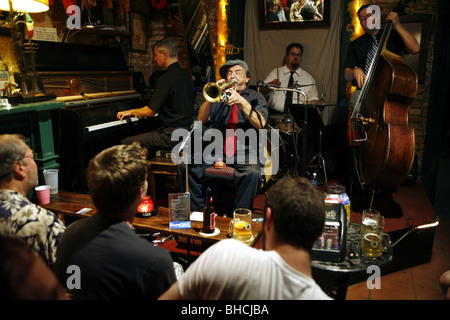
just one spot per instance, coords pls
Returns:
(236, 107)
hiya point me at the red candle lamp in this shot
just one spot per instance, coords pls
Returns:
(146, 208)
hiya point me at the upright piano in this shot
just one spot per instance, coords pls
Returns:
(93, 83)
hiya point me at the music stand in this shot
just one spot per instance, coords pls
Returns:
(308, 116)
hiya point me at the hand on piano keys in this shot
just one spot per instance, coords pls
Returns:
(110, 124)
(124, 115)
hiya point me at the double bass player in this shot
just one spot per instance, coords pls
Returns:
(383, 143)
(357, 55)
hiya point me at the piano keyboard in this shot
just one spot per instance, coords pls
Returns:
(110, 124)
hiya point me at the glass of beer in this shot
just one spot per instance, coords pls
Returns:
(240, 227)
(371, 220)
(372, 242)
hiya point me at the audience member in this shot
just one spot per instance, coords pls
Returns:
(19, 217)
(113, 261)
(278, 9)
(444, 282)
(271, 15)
(308, 12)
(295, 14)
(245, 109)
(230, 269)
(24, 275)
(172, 100)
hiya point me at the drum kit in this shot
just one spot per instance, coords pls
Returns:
(289, 126)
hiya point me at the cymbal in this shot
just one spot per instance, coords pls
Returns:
(324, 104)
(317, 105)
(296, 85)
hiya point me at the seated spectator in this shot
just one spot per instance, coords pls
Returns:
(113, 261)
(19, 217)
(24, 274)
(444, 282)
(230, 269)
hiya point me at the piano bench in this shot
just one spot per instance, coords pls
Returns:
(164, 166)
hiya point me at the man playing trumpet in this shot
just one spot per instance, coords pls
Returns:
(244, 109)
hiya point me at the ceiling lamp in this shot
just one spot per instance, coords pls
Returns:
(24, 5)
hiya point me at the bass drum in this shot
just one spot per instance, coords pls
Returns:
(274, 154)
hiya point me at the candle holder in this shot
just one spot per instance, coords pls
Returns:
(147, 208)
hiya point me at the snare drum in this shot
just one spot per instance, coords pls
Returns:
(284, 123)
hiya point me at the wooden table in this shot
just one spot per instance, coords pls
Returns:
(354, 262)
(69, 203)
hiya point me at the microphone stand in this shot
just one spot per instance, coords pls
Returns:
(185, 154)
(304, 124)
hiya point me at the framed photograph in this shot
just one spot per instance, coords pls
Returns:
(293, 14)
(139, 32)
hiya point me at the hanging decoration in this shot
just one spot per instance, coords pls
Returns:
(159, 4)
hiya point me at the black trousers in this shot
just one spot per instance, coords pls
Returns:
(247, 178)
(154, 140)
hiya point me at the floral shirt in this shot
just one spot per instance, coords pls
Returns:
(38, 227)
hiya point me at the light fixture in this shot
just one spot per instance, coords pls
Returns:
(146, 208)
(30, 6)
(24, 48)
(432, 224)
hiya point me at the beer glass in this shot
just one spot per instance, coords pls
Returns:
(372, 243)
(240, 227)
(371, 220)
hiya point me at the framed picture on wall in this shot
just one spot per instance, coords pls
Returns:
(139, 32)
(293, 14)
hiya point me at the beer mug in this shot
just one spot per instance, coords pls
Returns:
(372, 242)
(240, 227)
(371, 220)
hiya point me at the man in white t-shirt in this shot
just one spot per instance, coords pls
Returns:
(232, 270)
(279, 77)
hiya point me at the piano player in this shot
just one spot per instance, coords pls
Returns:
(172, 100)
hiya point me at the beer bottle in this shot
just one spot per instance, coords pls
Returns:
(209, 213)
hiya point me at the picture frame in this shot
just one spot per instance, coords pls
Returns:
(139, 32)
(267, 21)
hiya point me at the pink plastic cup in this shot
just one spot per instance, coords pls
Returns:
(43, 194)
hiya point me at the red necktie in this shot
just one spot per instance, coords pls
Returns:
(230, 139)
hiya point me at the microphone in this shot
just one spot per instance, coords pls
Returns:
(195, 125)
(260, 83)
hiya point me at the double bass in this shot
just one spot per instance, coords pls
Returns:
(385, 143)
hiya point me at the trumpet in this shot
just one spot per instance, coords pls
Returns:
(215, 93)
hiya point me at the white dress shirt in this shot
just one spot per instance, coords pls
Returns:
(277, 98)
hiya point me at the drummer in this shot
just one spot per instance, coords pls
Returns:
(281, 77)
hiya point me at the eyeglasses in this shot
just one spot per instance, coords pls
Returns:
(33, 156)
(364, 18)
